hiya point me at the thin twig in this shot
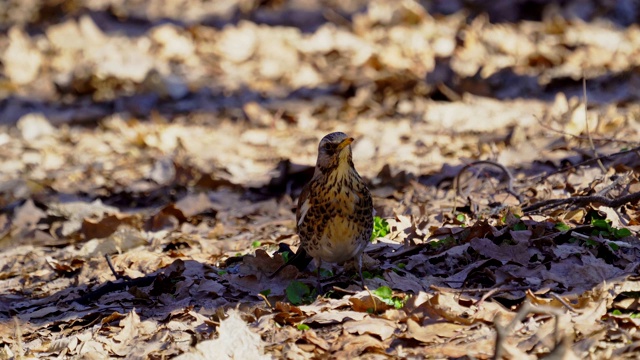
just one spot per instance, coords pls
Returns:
(584, 200)
(509, 189)
(615, 183)
(580, 137)
(18, 335)
(111, 286)
(586, 123)
(586, 162)
(563, 302)
(264, 298)
(486, 296)
(113, 270)
(449, 93)
(345, 291)
(480, 290)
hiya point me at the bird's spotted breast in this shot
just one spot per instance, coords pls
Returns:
(340, 219)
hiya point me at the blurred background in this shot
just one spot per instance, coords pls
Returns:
(111, 97)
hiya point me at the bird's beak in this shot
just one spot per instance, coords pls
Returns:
(345, 143)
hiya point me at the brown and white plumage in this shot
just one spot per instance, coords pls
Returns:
(335, 211)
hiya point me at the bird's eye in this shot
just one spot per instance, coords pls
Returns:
(327, 147)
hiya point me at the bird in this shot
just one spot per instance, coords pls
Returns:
(334, 217)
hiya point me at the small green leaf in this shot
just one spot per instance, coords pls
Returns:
(592, 243)
(437, 244)
(386, 295)
(380, 228)
(620, 233)
(614, 246)
(255, 244)
(461, 218)
(519, 226)
(562, 226)
(601, 224)
(222, 272)
(285, 256)
(384, 292)
(266, 292)
(303, 327)
(296, 291)
(397, 303)
(367, 275)
(616, 312)
(401, 265)
(326, 273)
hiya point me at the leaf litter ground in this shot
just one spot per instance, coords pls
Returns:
(142, 215)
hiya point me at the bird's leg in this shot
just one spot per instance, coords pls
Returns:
(359, 264)
(319, 283)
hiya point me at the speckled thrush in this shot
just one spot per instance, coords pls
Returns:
(335, 212)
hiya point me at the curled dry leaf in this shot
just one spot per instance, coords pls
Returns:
(235, 341)
(433, 333)
(335, 317)
(382, 328)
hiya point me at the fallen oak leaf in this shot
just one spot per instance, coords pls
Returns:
(129, 327)
(365, 303)
(313, 338)
(456, 308)
(235, 341)
(432, 333)
(351, 346)
(335, 317)
(193, 204)
(504, 253)
(66, 268)
(97, 228)
(374, 326)
(287, 314)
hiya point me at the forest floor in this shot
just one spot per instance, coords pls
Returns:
(152, 154)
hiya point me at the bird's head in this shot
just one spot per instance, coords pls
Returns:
(334, 153)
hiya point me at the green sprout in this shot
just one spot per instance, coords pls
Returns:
(519, 226)
(326, 273)
(442, 243)
(604, 228)
(380, 228)
(385, 294)
(285, 256)
(562, 226)
(299, 293)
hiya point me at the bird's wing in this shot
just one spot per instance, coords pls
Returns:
(364, 198)
(303, 205)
